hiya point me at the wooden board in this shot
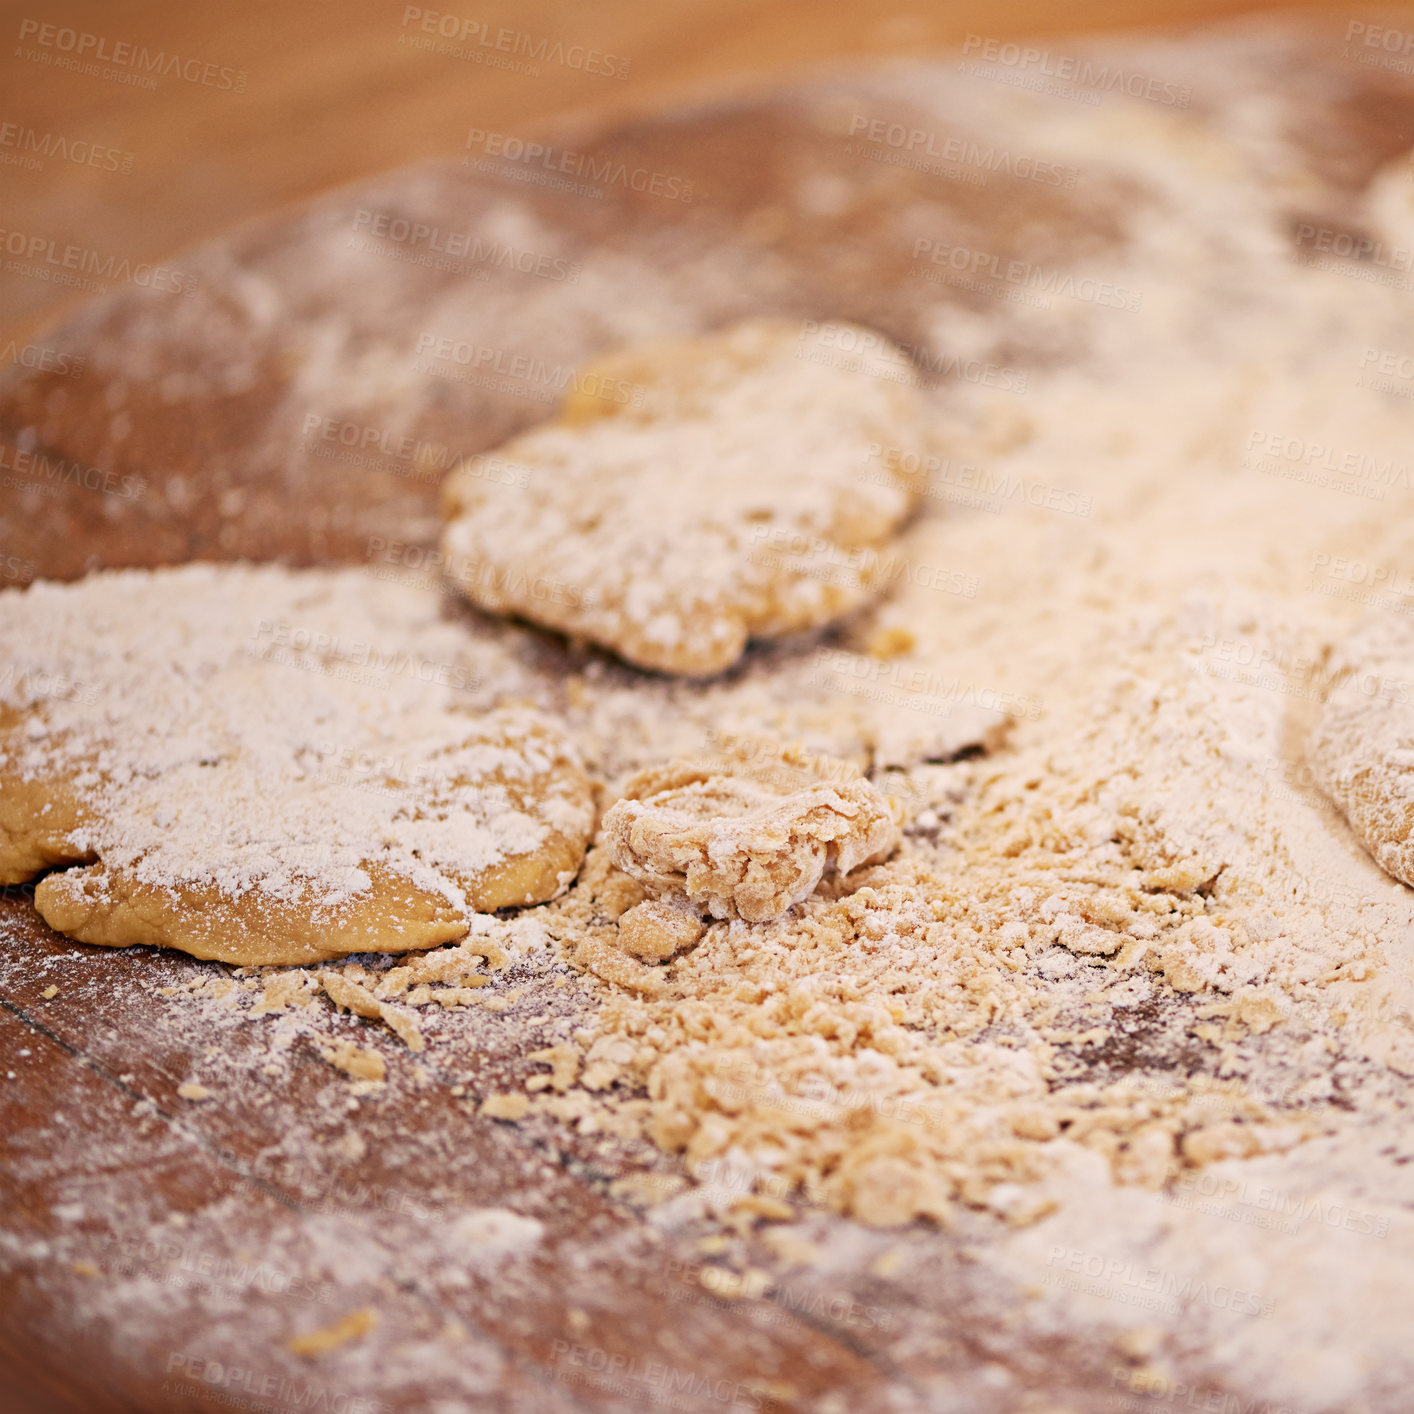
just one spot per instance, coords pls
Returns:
(331, 95)
(227, 1226)
(159, 1253)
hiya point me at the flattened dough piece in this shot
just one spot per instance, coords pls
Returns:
(698, 494)
(748, 833)
(271, 766)
(1362, 750)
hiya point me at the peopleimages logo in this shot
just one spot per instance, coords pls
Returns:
(1041, 64)
(966, 152)
(25, 147)
(650, 1382)
(1149, 1288)
(43, 359)
(989, 489)
(535, 161)
(176, 1263)
(1363, 471)
(84, 52)
(36, 471)
(958, 264)
(297, 646)
(1394, 41)
(1354, 246)
(1151, 1389)
(463, 245)
(46, 258)
(499, 45)
(236, 1386)
(1386, 371)
(509, 371)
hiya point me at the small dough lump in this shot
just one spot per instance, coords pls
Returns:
(270, 766)
(698, 494)
(747, 833)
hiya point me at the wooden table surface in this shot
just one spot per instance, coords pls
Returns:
(331, 94)
(334, 91)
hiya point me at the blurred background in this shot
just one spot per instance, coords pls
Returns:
(136, 129)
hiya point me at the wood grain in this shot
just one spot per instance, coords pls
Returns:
(111, 1178)
(333, 93)
(98, 1150)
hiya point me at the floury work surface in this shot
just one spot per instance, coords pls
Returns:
(1095, 1094)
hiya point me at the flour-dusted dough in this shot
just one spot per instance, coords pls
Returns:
(270, 766)
(697, 494)
(750, 832)
(1362, 750)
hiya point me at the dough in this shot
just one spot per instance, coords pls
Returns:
(747, 833)
(1362, 750)
(270, 766)
(697, 494)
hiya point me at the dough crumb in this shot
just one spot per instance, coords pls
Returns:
(512, 1107)
(354, 1326)
(350, 995)
(657, 928)
(283, 990)
(352, 1060)
(563, 1061)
